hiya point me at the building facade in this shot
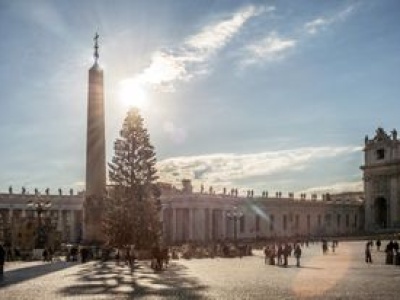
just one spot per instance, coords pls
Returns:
(202, 217)
(189, 216)
(382, 181)
(17, 218)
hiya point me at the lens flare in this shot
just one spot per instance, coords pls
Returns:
(132, 93)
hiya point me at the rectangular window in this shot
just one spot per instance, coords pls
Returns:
(308, 223)
(338, 221)
(284, 222)
(355, 221)
(241, 224)
(297, 221)
(271, 223)
(380, 154)
(257, 223)
(319, 220)
(347, 220)
(328, 220)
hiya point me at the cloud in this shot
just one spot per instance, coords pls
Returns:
(227, 169)
(320, 23)
(182, 63)
(339, 187)
(272, 47)
(314, 26)
(176, 134)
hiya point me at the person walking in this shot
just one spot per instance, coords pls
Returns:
(297, 255)
(2, 259)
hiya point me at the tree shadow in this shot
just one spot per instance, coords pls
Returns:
(22, 274)
(109, 279)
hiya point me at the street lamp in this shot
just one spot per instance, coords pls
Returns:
(40, 205)
(234, 215)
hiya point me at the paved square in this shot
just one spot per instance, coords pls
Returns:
(339, 275)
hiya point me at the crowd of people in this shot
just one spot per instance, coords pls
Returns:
(275, 253)
(391, 250)
(278, 254)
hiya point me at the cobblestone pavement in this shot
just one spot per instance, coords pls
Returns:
(339, 275)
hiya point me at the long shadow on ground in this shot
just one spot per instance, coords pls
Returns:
(109, 279)
(22, 274)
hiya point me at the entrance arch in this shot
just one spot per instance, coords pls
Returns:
(381, 212)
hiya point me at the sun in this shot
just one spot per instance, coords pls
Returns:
(132, 93)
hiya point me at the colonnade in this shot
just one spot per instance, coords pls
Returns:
(67, 222)
(196, 224)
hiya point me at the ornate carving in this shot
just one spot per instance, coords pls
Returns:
(381, 135)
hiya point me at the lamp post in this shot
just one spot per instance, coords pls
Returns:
(40, 205)
(234, 215)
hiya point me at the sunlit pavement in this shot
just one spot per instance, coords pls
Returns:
(339, 275)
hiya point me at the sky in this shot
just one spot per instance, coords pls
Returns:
(262, 95)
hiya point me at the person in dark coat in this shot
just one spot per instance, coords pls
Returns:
(286, 252)
(297, 254)
(2, 259)
(368, 257)
(389, 253)
(378, 245)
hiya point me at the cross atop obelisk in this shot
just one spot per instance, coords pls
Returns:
(96, 47)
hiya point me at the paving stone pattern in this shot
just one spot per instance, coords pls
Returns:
(340, 275)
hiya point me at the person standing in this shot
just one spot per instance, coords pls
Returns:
(378, 245)
(297, 255)
(266, 254)
(2, 259)
(389, 253)
(286, 255)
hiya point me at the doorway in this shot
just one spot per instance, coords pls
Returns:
(381, 212)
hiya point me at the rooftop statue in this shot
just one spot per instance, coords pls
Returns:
(394, 134)
(381, 135)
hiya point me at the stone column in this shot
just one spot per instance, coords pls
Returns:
(210, 226)
(73, 227)
(194, 224)
(223, 224)
(190, 224)
(11, 216)
(59, 221)
(174, 224)
(206, 224)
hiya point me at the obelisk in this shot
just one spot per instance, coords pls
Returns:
(95, 154)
